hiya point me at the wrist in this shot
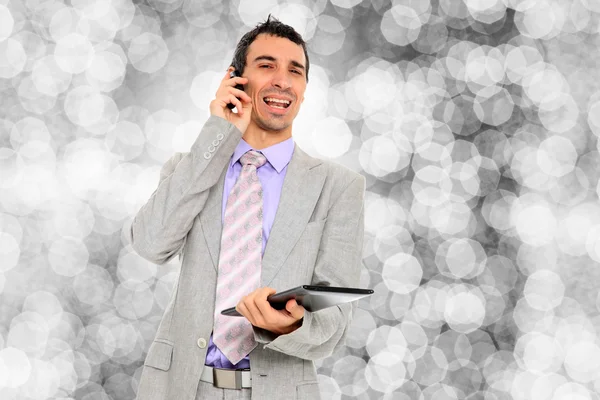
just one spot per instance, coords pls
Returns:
(288, 329)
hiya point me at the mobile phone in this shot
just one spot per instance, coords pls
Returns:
(233, 74)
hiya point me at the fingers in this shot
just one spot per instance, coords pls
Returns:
(242, 309)
(256, 308)
(259, 312)
(262, 304)
(228, 93)
(229, 81)
(236, 102)
(227, 75)
(247, 308)
(241, 94)
(255, 317)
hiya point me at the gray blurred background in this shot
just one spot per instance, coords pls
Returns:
(474, 121)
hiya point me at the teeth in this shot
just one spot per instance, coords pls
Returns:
(277, 100)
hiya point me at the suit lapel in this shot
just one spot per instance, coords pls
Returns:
(301, 189)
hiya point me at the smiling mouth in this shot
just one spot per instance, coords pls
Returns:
(277, 103)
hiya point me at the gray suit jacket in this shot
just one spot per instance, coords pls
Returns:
(316, 238)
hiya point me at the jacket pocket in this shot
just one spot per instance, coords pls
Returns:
(159, 355)
(308, 391)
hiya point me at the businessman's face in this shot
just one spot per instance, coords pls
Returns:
(275, 68)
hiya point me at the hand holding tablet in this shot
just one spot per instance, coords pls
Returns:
(312, 298)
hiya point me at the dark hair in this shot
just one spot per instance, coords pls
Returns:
(272, 26)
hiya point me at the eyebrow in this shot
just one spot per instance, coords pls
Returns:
(271, 58)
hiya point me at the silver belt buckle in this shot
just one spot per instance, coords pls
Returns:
(227, 378)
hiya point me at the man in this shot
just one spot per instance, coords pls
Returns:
(280, 220)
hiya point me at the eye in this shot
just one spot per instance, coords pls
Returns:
(264, 66)
(295, 71)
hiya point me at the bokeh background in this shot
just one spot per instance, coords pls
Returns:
(474, 121)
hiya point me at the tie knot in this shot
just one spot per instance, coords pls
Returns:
(253, 158)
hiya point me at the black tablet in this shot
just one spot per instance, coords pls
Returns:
(312, 298)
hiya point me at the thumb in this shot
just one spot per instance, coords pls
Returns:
(294, 308)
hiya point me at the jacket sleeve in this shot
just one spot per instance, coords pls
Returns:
(159, 229)
(338, 264)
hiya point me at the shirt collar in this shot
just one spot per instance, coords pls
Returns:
(278, 155)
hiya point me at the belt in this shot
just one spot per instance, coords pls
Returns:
(227, 378)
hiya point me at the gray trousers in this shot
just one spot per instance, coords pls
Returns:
(206, 391)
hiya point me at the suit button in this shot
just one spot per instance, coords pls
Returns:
(211, 149)
(207, 155)
(215, 142)
(220, 136)
(201, 343)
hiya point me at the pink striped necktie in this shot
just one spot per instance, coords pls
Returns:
(240, 259)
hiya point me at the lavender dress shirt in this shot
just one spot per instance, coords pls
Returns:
(271, 176)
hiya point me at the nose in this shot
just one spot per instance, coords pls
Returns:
(281, 80)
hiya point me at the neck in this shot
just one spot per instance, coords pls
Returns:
(259, 138)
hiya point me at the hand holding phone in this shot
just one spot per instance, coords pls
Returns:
(239, 86)
(230, 95)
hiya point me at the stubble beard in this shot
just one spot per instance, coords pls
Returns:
(271, 124)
